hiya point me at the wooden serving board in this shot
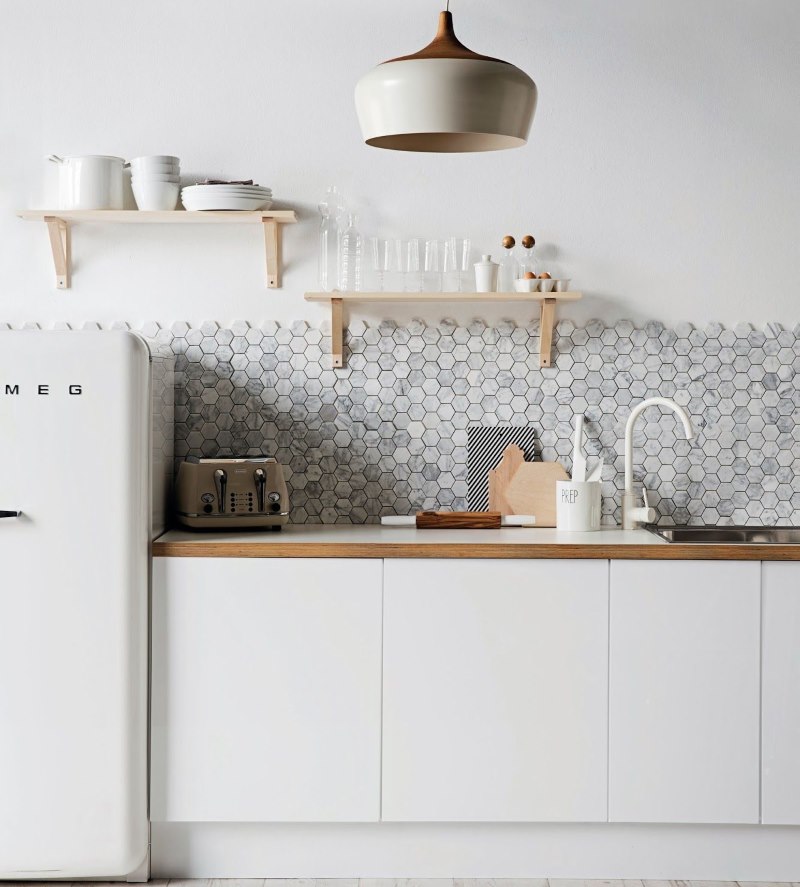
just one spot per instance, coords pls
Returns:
(458, 520)
(520, 487)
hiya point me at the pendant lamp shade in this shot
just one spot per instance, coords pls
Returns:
(446, 99)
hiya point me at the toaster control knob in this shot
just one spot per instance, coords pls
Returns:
(208, 498)
(274, 497)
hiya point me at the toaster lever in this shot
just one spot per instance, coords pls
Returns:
(261, 487)
(221, 483)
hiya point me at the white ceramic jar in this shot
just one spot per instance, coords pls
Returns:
(90, 181)
(486, 275)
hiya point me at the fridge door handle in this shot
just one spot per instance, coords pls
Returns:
(10, 513)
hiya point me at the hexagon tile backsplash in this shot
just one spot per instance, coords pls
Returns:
(388, 433)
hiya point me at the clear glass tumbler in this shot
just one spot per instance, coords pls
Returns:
(409, 265)
(384, 258)
(432, 277)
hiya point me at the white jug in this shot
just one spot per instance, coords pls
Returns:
(91, 181)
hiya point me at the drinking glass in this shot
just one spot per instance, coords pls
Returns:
(432, 278)
(384, 256)
(409, 265)
(451, 266)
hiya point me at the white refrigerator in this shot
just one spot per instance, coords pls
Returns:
(85, 462)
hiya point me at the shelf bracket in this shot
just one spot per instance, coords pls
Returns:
(272, 242)
(337, 333)
(61, 245)
(546, 323)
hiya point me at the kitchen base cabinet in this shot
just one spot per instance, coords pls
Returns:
(780, 705)
(495, 690)
(684, 692)
(266, 690)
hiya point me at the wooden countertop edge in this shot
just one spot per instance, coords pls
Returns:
(665, 552)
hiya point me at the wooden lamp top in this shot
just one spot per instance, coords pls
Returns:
(445, 45)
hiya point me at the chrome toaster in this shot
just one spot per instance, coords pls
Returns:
(231, 493)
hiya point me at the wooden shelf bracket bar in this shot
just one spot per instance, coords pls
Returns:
(61, 245)
(337, 333)
(272, 242)
(546, 323)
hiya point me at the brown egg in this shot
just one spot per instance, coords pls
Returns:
(508, 241)
(529, 275)
(529, 241)
(544, 276)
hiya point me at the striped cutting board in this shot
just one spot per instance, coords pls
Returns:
(485, 446)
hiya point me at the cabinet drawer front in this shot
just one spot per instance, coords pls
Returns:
(780, 737)
(266, 690)
(684, 692)
(495, 690)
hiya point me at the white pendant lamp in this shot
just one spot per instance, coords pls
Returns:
(445, 98)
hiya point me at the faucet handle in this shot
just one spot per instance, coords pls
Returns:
(649, 513)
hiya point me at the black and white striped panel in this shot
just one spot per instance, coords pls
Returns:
(485, 446)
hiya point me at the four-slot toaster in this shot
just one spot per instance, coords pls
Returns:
(231, 493)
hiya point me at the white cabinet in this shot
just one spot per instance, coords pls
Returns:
(495, 690)
(266, 690)
(684, 692)
(780, 682)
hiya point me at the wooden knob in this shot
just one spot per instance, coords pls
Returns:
(508, 242)
(529, 241)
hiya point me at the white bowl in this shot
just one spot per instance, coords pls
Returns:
(546, 284)
(156, 196)
(562, 286)
(526, 286)
(157, 168)
(155, 177)
(150, 159)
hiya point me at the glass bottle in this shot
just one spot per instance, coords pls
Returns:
(329, 239)
(508, 270)
(528, 262)
(350, 263)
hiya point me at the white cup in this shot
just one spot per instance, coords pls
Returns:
(578, 506)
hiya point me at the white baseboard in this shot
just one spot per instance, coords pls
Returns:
(475, 850)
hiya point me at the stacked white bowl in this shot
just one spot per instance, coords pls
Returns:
(156, 181)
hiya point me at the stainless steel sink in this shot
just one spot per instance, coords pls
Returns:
(729, 535)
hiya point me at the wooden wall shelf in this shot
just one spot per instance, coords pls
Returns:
(59, 224)
(547, 313)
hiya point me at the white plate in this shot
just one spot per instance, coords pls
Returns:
(221, 189)
(232, 193)
(228, 203)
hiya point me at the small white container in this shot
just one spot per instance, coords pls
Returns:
(562, 286)
(90, 181)
(156, 196)
(526, 285)
(486, 275)
(546, 284)
(578, 506)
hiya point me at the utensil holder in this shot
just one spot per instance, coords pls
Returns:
(578, 506)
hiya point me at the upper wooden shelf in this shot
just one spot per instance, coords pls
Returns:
(546, 300)
(58, 223)
(570, 296)
(175, 216)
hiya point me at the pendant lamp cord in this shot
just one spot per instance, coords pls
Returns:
(448, 6)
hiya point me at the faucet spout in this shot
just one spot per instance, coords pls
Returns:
(628, 505)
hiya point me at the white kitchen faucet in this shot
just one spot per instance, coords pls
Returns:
(633, 516)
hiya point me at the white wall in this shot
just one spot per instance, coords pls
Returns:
(662, 173)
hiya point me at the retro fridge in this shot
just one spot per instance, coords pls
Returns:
(85, 458)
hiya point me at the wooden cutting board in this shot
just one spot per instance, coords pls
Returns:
(520, 487)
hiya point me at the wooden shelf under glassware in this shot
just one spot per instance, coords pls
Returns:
(59, 222)
(547, 311)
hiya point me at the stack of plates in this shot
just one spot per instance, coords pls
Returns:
(226, 197)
